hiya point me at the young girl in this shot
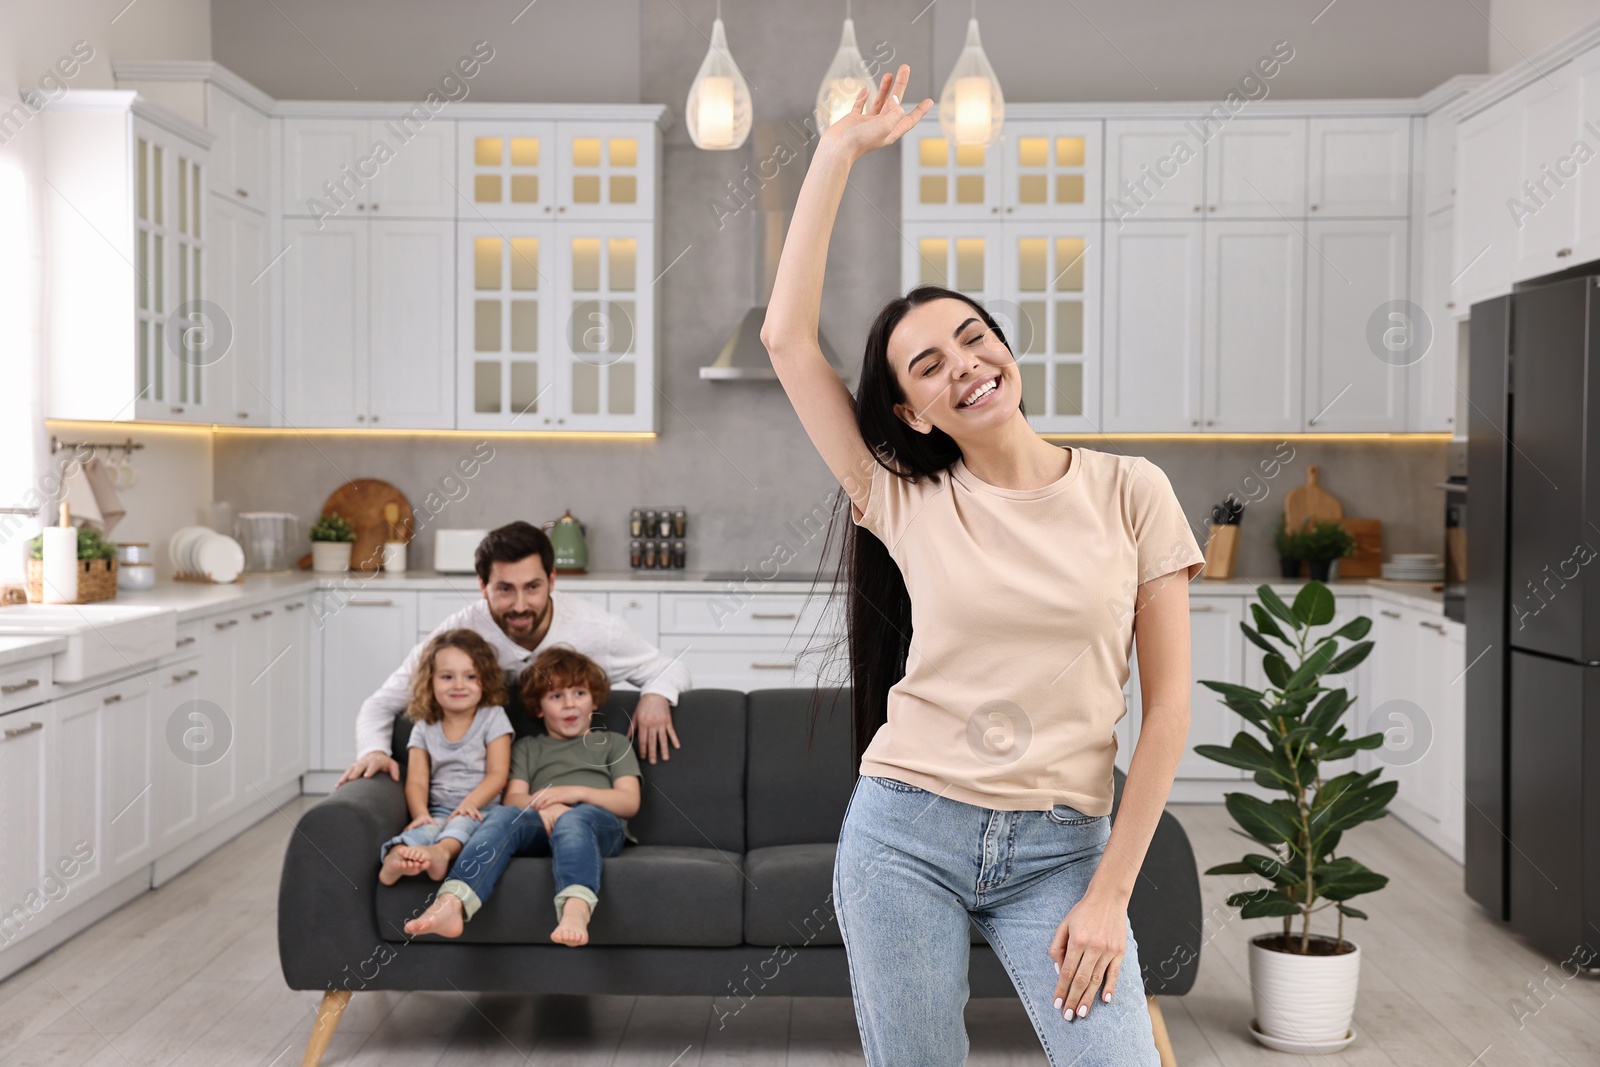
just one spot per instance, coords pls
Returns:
(572, 791)
(460, 754)
(1066, 555)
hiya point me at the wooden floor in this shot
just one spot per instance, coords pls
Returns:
(188, 974)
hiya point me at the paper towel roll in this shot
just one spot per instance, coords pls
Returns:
(60, 584)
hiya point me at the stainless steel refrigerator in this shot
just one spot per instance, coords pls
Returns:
(1532, 785)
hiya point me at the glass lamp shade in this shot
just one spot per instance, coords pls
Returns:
(972, 109)
(847, 75)
(718, 110)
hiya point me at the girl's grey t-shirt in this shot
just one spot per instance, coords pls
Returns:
(457, 767)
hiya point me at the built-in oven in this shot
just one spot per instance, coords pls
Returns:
(1455, 532)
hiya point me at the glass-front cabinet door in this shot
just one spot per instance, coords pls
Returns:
(176, 336)
(505, 362)
(506, 170)
(1052, 169)
(1052, 272)
(606, 170)
(940, 179)
(965, 256)
(605, 334)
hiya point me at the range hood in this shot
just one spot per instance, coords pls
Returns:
(743, 357)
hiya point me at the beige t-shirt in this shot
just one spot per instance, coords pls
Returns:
(1022, 607)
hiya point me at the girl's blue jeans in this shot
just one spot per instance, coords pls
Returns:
(461, 828)
(914, 870)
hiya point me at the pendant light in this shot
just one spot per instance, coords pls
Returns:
(847, 75)
(718, 109)
(972, 109)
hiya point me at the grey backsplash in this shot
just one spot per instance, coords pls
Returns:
(733, 453)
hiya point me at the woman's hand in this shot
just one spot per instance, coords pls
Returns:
(1088, 949)
(469, 810)
(420, 820)
(872, 125)
(548, 815)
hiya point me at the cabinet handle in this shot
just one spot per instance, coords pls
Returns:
(633, 603)
(772, 666)
(369, 603)
(1201, 607)
(241, 193)
(1211, 207)
(1562, 253)
(1194, 422)
(242, 414)
(563, 207)
(1388, 613)
(7, 690)
(226, 624)
(772, 615)
(185, 676)
(547, 209)
(260, 614)
(374, 418)
(361, 418)
(1449, 303)
(296, 606)
(1431, 625)
(182, 641)
(1314, 207)
(374, 207)
(1197, 207)
(18, 731)
(177, 411)
(1211, 422)
(1009, 210)
(114, 698)
(361, 207)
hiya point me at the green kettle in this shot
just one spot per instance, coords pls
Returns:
(572, 551)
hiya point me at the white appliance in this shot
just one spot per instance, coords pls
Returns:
(453, 550)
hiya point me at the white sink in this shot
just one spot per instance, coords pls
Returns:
(101, 638)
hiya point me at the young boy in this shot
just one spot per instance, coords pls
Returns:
(570, 793)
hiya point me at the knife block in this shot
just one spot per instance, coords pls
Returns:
(1222, 551)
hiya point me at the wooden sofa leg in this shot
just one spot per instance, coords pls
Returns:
(1158, 1027)
(329, 1012)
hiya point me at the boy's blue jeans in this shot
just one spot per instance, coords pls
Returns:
(582, 838)
(461, 828)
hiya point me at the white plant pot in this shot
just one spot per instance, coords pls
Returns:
(1307, 1000)
(330, 556)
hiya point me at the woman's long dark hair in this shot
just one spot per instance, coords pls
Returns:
(877, 606)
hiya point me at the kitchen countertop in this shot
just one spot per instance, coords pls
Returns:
(192, 600)
(22, 649)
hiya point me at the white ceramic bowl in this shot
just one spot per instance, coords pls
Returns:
(136, 576)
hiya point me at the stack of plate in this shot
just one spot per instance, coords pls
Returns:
(199, 552)
(1414, 567)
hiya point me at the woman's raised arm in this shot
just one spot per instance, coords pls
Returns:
(790, 331)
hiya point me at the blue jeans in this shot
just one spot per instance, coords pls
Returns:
(461, 828)
(582, 838)
(912, 872)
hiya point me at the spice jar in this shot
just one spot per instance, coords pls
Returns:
(677, 554)
(633, 553)
(649, 523)
(664, 555)
(680, 520)
(664, 524)
(635, 523)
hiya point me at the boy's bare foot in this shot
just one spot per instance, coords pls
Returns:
(443, 917)
(574, 926)
(400, 861)
(437, 857)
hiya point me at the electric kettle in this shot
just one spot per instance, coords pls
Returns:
(567, 537)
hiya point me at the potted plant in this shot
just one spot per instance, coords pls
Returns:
(1303, 985)
(1289, 546)
(1324, 544)
(331, 541)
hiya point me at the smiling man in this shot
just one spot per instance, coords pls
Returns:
(521, 614)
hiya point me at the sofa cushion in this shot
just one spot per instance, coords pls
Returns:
(788, 897)
(799, 782)
(695, 799)
(649, 895)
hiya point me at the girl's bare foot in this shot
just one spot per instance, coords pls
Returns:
(437, 857)
(402, 860)
(443, 917)
(574, 926)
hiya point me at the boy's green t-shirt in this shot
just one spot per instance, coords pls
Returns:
(597, 760)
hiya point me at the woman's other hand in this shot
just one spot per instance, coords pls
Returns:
(873, 124)
(1088, 949)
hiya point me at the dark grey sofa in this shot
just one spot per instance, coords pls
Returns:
(727, 895)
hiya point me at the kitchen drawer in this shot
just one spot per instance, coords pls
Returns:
(434, 608)
(746, 663)
(762, 613)
(24, 684)
(642, 611)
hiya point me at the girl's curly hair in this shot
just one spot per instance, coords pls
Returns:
(423, 706)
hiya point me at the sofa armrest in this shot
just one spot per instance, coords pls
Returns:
(327, 916)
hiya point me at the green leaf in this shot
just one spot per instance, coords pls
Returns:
(1257, 640)
(1261, 820)
(1326, 714)
(1268, 906)
(1355, 629)
(1277, 670)
(1270, 868)
(1314, 604)
(1233, 758)
(1315, 664)
(1265, 624)
(1354, 913)
(1276, 605)
(1353, 886)
(1230, 868)
(1350, 658)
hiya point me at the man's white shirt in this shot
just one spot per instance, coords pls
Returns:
(576, 623)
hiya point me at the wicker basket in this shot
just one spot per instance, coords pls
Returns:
(97, 580)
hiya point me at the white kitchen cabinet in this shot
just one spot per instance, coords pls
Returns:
(251, 707)
(965, 256)
(177, 779)
(1488, 159)
(605, 329)
(1052, 269)
(1451, 732)
(751, 641)
(506, 325)
(1360, 167)
(289, 699)
(1253, 346)
(1356, 270)
(1256, 169)
(213, 737)
(1432, 380)
(1439, 166)
(642, 611)
(238, 257)
(606, 170)
(102, 773)
(599, 600)
(1155, 169)
(1052, 169)
(942, 180)
(364, 637)
(367, 324)
(27, 739)
(506, 169)
(377, 167)
(434, 608)
(239, 159)
(1546, 207)
(1154, 306)
(1585, 188)
(572, 169)
(1216, 654)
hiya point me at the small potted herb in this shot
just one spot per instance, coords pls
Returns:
(1290, 546)
(332, 538)
(1323, 545)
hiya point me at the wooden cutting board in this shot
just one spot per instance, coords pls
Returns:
(1310, 501)
(360, 502)
(1368, 559)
